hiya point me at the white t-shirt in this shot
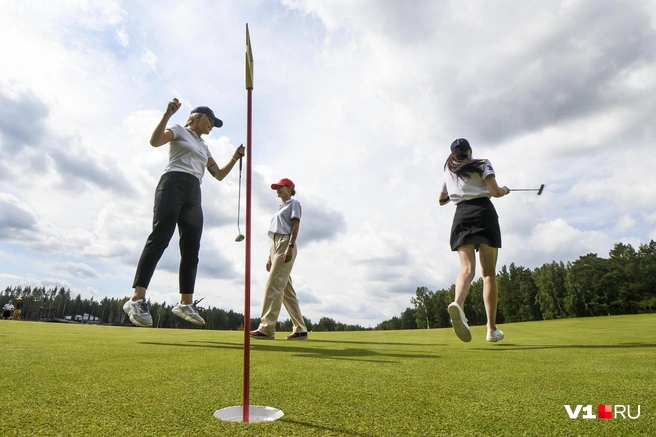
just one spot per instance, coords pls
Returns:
(281, 222)
(187, 152)
(470, 188)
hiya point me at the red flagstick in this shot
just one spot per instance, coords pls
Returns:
(247, 276)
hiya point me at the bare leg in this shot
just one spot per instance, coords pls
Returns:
(467, 255)
(139, 293)
(186, 298)
(488, 257)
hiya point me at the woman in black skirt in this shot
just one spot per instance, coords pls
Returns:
(470, 183)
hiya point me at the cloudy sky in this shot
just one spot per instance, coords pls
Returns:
(357, 101)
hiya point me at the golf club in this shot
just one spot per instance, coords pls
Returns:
(240, 237)
(539, 190)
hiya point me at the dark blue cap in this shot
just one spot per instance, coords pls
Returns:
(207, 111)
(460, 142)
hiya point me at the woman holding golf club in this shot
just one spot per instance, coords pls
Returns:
(178, 202)
(470, 183)
(283, 230)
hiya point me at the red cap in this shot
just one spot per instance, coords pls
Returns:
(283, 181)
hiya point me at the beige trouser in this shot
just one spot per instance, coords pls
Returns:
(279, 289)
(17, 314)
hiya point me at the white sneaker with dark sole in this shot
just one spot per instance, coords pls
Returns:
(494, 336)
(138, 312)
(459, 322)
(189, 313)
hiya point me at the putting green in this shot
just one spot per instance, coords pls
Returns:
(71, 380)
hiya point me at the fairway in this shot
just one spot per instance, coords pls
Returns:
(79, 380)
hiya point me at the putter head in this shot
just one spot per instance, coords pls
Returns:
(540, 190)
(239, 238)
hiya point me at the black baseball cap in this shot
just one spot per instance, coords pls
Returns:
(207, 111)
(460, 142)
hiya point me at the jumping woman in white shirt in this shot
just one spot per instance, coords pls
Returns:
(470, 183)
(178, 202)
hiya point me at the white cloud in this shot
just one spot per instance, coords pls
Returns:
(649, 217)
(357, 102)
(79, 270)
(150, 59)
(626, 222)
(561, 240)
(96, 14)
(16, 217)
(123, 37)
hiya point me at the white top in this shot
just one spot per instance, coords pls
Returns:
(470, 188)
(8, 307)
(281, 222)
(187, 152)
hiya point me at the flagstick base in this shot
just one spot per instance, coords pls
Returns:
(256, 414)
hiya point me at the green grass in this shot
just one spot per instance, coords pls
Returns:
(80, 380)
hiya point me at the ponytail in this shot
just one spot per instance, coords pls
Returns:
(461, 164)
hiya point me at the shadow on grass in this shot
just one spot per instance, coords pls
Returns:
(350, 354)
(385, 343)
(325, 428)
(520, 347)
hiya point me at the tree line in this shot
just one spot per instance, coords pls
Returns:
(623, 283)
(56, 304)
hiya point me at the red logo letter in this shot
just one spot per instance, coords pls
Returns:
(605, 412)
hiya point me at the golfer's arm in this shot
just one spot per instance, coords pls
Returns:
(492, 186)
(296, 224)
(444, 199)
(220, 172)
(161, 135)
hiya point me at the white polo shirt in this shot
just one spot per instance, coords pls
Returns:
(281, 222)
(187, 152)
(470, 188)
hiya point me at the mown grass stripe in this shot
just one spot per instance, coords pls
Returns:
(75, 380)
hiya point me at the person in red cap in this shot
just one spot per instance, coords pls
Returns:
(178, 203)
(283, 230)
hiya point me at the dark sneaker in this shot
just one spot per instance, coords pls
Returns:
(260, 336)
(459, 322)
(138, 312)
(297, 336)
(189, 313)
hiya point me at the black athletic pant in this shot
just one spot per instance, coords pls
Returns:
(177, 201)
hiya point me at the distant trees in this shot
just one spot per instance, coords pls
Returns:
(623, 283)
(550, 280)
(408, 320)
(328, 324)
(59, 303)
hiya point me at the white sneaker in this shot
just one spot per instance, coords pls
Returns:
(494, 336)
(459, 322)
(138, 312)
(189, 313)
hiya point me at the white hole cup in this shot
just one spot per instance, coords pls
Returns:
(256, 414)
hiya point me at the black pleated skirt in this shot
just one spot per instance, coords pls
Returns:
(475, 222)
